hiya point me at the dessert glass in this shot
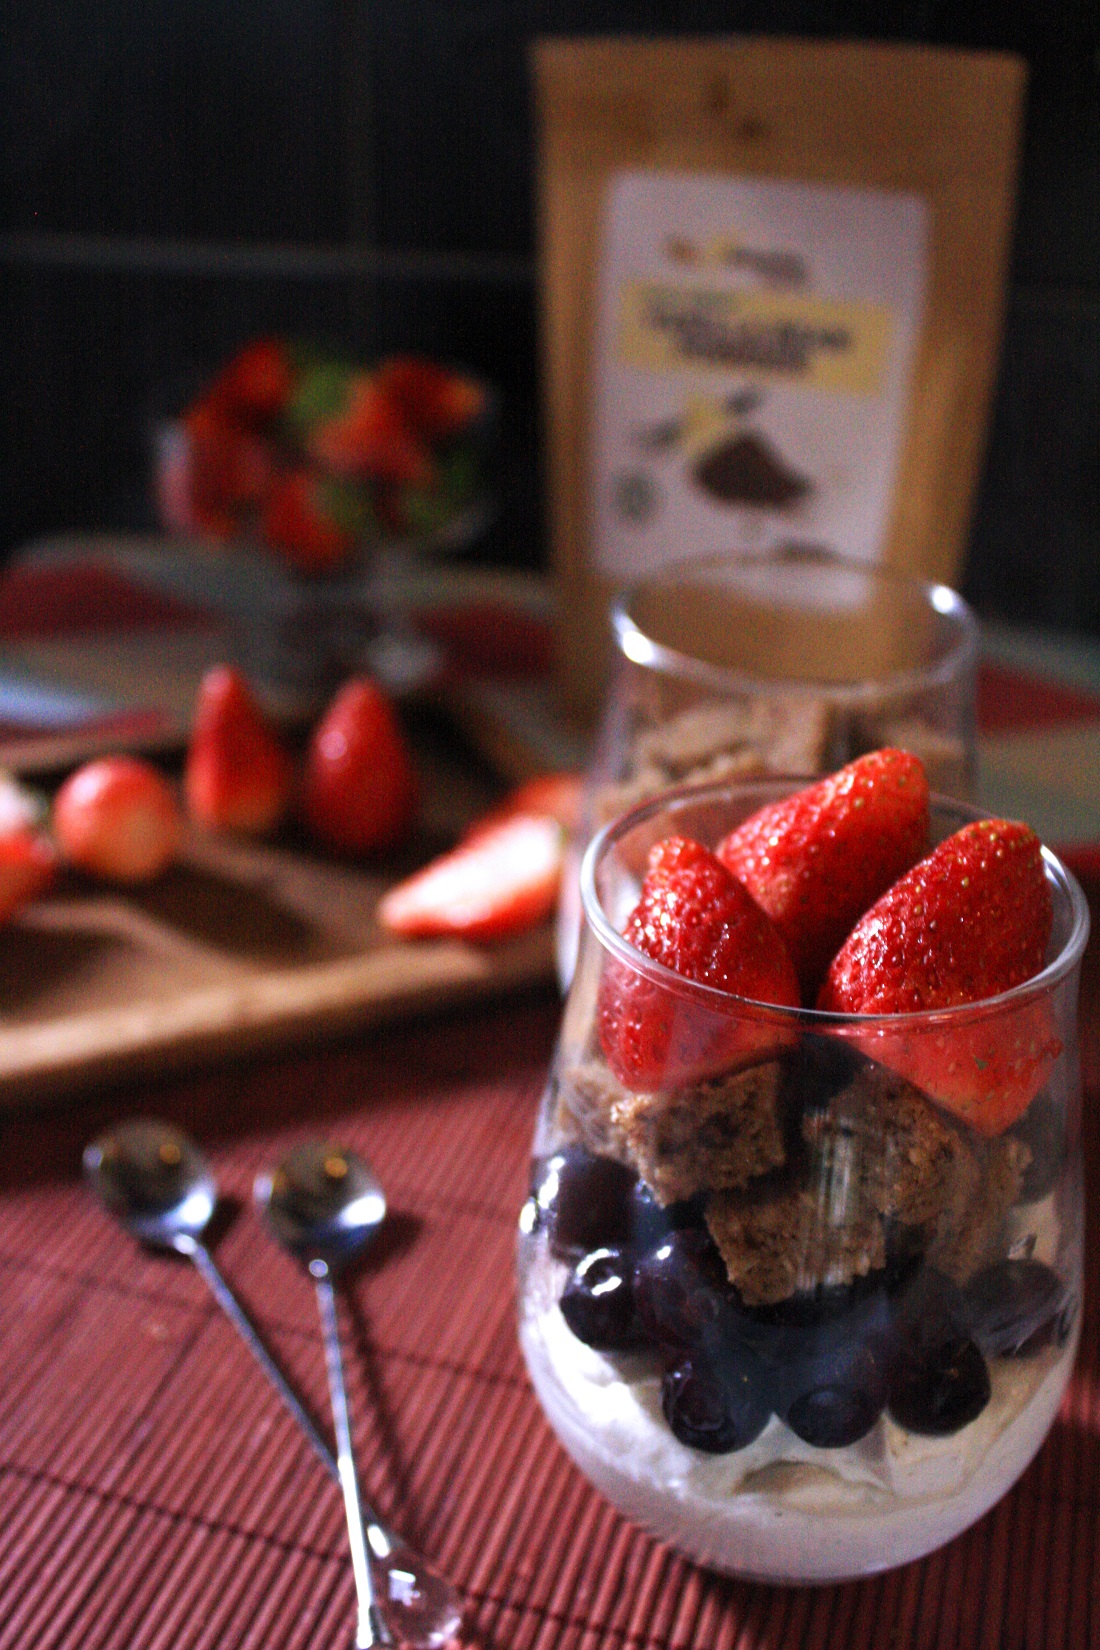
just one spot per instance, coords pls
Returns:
(794, 661)
(783, 1308)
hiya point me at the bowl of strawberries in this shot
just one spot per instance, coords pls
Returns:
(318, 476)
(801, 1267)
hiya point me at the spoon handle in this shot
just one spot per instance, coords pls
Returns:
(372, 1630)
(244, 1326)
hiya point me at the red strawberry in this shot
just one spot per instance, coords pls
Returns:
(548, 796)
(28, 866)
(227, 469)
(815, 861)
(968, 922)
(497, 883)
(435, 402)
(372, 438)
(117, 818)
(360, 792)
(256, 385)
(296, 521)
(698, 920)
(237, 777)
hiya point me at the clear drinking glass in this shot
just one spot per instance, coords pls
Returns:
(793, 662)
(782, 1307)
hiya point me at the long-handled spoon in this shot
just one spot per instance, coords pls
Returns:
(324, 1205)
(158, 1184)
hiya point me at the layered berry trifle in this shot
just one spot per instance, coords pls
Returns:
(800, 1269)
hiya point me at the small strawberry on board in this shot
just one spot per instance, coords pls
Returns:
(698, 920)
(969, 922)
(117, 818)
(237, 776)
(360, 793)
(28, 868)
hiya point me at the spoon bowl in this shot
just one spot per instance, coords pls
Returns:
(155, 1181)
(323, 1204)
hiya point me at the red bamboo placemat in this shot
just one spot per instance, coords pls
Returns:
(153, 1496)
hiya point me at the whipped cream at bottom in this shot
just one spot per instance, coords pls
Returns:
(781, 1510)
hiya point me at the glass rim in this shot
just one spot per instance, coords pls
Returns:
(636, 645)
(613, 942)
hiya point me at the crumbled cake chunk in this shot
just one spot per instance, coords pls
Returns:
(970, 1231)
(586, 1097)
(710, 1136)
(778, 1241)
(908, 1158)
(787, 734)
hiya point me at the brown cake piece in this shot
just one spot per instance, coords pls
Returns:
(787, 734)
(779, 1240)
(970, 1231)
(710, 1136)
(910, 1161)
(586, 1097)
(942, 755)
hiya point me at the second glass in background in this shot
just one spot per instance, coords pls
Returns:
(792, 662)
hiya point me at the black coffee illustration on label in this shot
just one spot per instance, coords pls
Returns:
(746, 469)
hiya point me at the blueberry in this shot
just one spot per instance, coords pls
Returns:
(598, 1302)
(939, 1382)
(681, 1289)
(818, 1069)
(716, 1405)
(651, 1224)
(584, 1202)
(842, 1395)
(1017, 1307)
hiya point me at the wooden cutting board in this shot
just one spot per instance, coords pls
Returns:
(239, 946)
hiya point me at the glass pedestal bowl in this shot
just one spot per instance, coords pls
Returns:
(782, 1307)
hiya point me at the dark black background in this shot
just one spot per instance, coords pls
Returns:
(179, 175)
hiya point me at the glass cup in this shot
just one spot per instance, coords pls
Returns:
(793, 662)
(779, 1303)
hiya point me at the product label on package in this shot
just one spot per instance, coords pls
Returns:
(754, 346)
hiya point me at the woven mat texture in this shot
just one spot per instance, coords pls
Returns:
(154, 1496)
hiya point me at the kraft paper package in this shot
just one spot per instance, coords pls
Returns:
(772, 294)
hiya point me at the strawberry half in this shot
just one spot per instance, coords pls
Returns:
(815, 861)
(970, 921)
(28, 866)
(237, 776)
(434, 401)
(117, 818)
(359, 793)
(255, 386)
(372, 437)
(297, 520)
(499, 882)
(699, 921)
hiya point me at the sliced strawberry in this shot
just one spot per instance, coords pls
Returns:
(360, 792)
(434, 401)
(224, 470)
(700, 922)
(968, 922)
(28, 866)
(237, 776)
(815, 861)
(117, 818)
(256, 385)
(298, 521)
(495, 884)
(372, 438)
(554, 796)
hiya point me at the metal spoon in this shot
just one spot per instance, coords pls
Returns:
(324, 1205)
(160, 1186)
